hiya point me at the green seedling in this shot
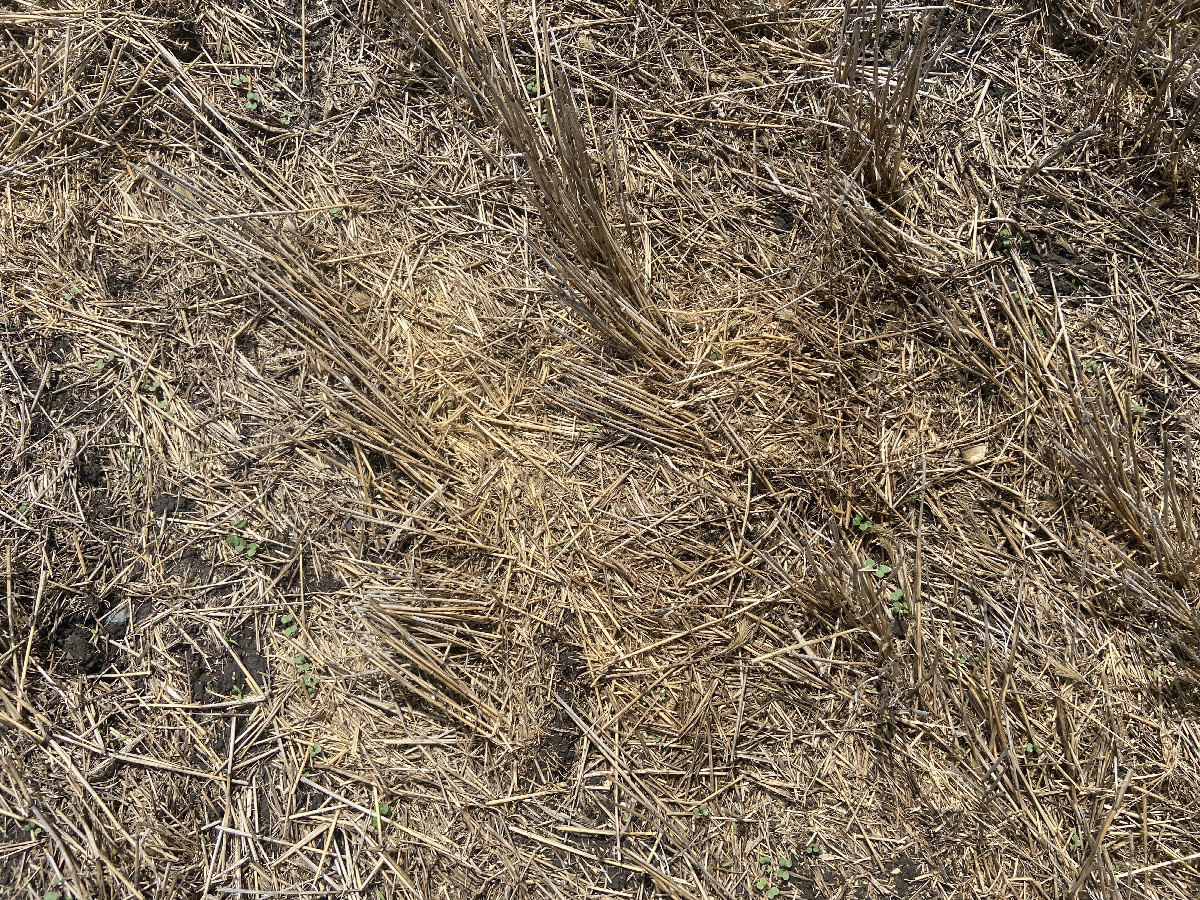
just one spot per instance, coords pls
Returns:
(879, 570)
(51, 895)
(302, 663)
(700, 812)
(150, 386)
(1006, 237)
(227, 51)
(813, 849)
(727, 864)
(104, 363)
(252, 98)
(310, 684)
(289, 625)
(899, 604)
(1093, 367)
(22, 506)
(72, 292)
(286, 117)
(382, 811)
(241, 545)
(1032, 749)
(1138, 410)
(32, 829)
(861, 522)
(314, 750)
(1075, 841)
(336, 214)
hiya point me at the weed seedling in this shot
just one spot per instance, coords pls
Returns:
(104, 363)
(288, 622)
(382, 811)
(861, 522)
(239, 543)
(1075, 841)
(879, 570)
(700, 812)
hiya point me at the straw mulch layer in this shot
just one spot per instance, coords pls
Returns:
(693, 450)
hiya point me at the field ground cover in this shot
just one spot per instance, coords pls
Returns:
(599, 449)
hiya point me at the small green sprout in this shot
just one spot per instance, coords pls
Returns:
(286, 117)
(382, 811)
(861, 522)
(1075, 841)
(241, 545)
(336, 214)
(310, 684)
(1138, 410)
(813, 849)
(315, 750)
(700, 812)
(104, 363)
(879, 570)
(33, 830)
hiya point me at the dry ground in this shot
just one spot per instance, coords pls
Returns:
(695, 450)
